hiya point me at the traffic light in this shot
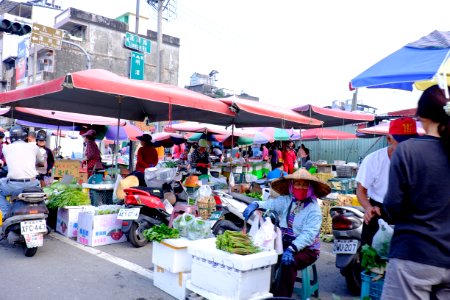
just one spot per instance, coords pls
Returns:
(14, 27)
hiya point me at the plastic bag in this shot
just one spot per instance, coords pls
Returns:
(116, 186)
(256, 218)
(266, 235)
(182, 223)
(203, 193)
(198, 229)
(250, 178)
(279, 241)
(382, 239)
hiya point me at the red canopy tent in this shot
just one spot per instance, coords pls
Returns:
(256, 114)
(383, 129)
(326, 134)
(196, 127)
(54, 117)
(333, 117)
(103, 93)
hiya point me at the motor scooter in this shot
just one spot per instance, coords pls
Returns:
(26, 221)
(347, 223)
(144, 207)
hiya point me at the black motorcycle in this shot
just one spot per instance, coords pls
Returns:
(25, 223)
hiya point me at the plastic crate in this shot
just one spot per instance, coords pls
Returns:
(369, 288)
(101, 197)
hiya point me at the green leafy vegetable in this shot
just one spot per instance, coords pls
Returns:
(370, 259)
(255, 195)
(236, 243)
(170, 164)
(160, 232)
(68, 197)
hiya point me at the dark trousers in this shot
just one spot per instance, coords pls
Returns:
(140, 176)
(274, 165)
(370, 229)
(285, 278)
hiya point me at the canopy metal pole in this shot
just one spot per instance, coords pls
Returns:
(115, 156)
(232, 136)
(58, 140)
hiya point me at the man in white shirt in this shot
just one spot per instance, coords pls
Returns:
(22, 159)
(373, 177)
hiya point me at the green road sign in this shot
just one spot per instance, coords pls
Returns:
(137, 43)
(137, 62)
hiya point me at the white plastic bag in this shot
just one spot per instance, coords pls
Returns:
(266, 235)
(255, 224)
(116, 186)
(382, 239)
(204, 192)
(279, 241)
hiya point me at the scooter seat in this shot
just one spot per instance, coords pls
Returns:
(32, 190)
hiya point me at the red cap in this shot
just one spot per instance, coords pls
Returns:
(402, 129)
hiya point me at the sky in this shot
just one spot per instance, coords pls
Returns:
(291, 52)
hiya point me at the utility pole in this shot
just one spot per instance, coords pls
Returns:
(159, 41)
(355, 99)
(137, 16)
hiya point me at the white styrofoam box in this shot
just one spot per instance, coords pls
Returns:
(172, 255)
(232, 276)
(206, 248)
(67, 219)
(212, 296)
(173, 284)
(98, 230)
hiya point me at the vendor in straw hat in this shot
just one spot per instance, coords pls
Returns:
(300, 221)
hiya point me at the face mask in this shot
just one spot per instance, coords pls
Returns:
(299, 194)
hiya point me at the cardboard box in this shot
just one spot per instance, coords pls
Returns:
(173, 284)
(67, 219)
(98, 230)
(172, 255)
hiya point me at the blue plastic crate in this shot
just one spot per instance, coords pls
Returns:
(369, 288)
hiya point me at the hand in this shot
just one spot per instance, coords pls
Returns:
(288, 257)
(371, 212)
(250, 210)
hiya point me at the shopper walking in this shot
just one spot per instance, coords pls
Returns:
(373, 174)
(418, 202)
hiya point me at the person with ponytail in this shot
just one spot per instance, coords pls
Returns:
(300, 221)
(418, 202)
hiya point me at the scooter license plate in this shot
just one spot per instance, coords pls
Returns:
(33, 226)
(34, 239)
(345, 246)
(129, 213)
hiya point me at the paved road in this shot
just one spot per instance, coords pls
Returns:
(63, 269)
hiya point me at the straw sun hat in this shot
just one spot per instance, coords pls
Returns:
(281, 185)
(127, 182)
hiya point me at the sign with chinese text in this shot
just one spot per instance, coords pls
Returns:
(46, 36)
(137, 43)
(137, 62)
